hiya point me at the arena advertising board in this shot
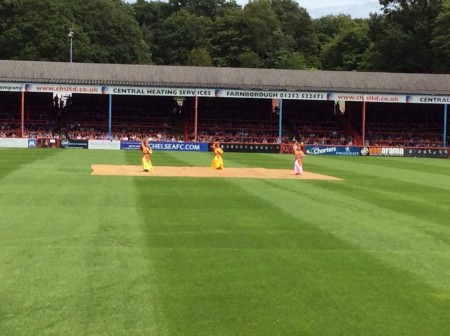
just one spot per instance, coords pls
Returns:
(71, 143)
(382, 151)
(104, 144)
(333, 150)
(224, 93)
(249, 148)
(405, 152)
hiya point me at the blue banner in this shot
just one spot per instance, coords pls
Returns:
(130, 145)
(333, 150)
(167, 146)
(180, 146)
(32, 143)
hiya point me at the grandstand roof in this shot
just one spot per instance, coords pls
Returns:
(222, 78)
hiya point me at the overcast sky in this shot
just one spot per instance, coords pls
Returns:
(319, 8)
(355, 8)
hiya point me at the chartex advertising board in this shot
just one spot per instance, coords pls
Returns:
(333, 150)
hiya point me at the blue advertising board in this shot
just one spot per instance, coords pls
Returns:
(333, 150)
(167, 146)
(180, 146)
(32, 143)
(127, 145)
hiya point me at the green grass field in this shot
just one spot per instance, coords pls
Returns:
(107, 255)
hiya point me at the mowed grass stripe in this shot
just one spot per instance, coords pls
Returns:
(209, 257)
(397, 238)
(73, 257)
(232, 259)
(258, 271)
(427, 203)
(420, 174)
(13, 159)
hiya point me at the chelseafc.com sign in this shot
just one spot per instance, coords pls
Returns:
(383, 151)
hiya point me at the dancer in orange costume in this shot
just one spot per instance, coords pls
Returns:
(217, 162)
(146, 152)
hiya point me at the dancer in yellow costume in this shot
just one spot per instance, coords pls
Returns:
(217, 162)
(146, 159)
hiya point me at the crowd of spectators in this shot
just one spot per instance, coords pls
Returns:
(410, 135)
(311, 135)
(403, 140)
(311, 128)
(87, 134)
(249, 131)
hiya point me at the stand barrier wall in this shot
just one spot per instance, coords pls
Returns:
(386, 151)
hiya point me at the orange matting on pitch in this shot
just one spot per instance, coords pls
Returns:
(262, 173)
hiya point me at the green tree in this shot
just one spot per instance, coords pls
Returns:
(297, 24)
(346, 51)
(259, 25)
(291, 60)
(441, 41)
(401, 37)
(200, 57)
(250, 59)
(329, 26)
(113, 33)
(149, 15)
(177, 35)
(105, 31)
(227, 39)
(33, 30)
(208, 8)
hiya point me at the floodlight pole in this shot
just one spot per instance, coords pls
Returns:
(71, 33)
(444, 135)
(280, 120)
(363, 126)
(195, 117)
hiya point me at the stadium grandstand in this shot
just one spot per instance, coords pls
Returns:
(55, 100)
